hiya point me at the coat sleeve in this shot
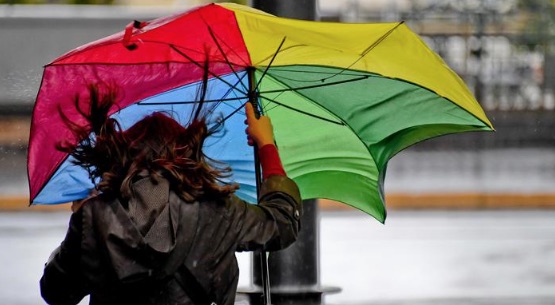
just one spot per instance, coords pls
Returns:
(61, 282)
(275, 222)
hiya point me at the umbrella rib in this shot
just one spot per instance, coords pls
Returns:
(230, 90)
(214, 35)
(302, 111)
(191, 102)
(378, 41)
(211, 73)
(218, 101)
(224, 55)
(270, 63)
(366, 51)
(312, 72)
(266, 108)
(284, 69)
(317, 86)
(233, 113)
(203, 88)
(224, 99)
(282, 50)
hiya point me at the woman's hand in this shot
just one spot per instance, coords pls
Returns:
(259, 131)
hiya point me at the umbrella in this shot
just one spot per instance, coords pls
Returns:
(343, 98)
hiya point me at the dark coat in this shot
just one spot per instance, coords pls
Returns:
(128, 253)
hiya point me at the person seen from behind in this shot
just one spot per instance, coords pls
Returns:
(161, 227)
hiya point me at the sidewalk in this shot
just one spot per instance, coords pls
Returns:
(416, 258)
(440, 257)
(471, 301)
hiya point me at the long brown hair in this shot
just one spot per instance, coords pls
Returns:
(157, 146)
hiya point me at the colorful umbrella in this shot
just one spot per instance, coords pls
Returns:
(343, 98)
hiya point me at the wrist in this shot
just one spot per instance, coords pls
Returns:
(263, 142)
(260, 147)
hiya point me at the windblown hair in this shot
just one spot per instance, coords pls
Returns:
(157, 146)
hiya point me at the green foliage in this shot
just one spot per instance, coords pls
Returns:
(539, 30)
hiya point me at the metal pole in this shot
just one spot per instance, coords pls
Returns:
(293, 272)
(295, 9)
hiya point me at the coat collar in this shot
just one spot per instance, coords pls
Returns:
(134, 255)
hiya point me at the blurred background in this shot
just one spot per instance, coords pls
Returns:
(470, 215)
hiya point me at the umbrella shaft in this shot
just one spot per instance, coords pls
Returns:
(253, 99)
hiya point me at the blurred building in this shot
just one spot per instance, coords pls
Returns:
(504, 50)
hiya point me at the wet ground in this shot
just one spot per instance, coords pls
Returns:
(441, 257)
(417, 257)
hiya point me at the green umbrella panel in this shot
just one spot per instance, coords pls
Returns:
(336, 138)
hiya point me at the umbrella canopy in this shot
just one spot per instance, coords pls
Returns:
(343, 98)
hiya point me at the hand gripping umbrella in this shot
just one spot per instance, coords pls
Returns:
(343, 98)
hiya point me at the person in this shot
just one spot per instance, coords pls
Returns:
(161, 221)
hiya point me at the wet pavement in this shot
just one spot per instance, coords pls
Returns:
(418, 257)
(440, 257)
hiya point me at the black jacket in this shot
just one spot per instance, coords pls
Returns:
(128, 253)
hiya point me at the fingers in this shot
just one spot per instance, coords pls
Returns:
(249, 110)
(250, 140)
(251, 117)
(249, 113)
(259, 130)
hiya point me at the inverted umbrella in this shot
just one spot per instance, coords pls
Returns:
(343, 98)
